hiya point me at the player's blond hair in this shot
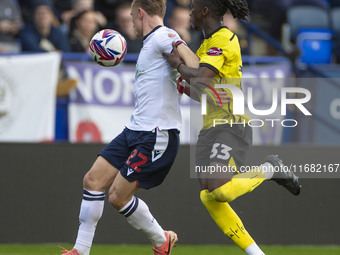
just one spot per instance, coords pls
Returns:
(151, 7)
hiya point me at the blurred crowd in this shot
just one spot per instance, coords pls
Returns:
(68, 25)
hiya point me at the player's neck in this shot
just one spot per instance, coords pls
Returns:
(210, 27)
(149, 23)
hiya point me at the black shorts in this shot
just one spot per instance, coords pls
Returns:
(223, 142)
(143, 156)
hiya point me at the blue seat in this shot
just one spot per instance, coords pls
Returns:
(300, 17)
(316, 45)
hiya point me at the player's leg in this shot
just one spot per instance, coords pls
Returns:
(225, 150)
(97, 179)
(225, 190)
(224, 185)
(229, 188)
(146, 167)
(229, 222)
(137, 213)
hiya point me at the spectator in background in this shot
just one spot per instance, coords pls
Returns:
(85, 25)
(26, 9)
(61, 6)
(230, 22)
(41, 35)
(179, 21)
(78, 6)
(124, 26)
(106, 7)
(10, 23)
(171, 4)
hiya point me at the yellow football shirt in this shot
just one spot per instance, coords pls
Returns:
(220, 51)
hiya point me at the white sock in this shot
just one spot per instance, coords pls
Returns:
(139, 216)
(91, 210)
(268, 170)
(253, 249)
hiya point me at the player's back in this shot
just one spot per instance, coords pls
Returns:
(220, 51)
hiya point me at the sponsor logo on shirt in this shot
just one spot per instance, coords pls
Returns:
(214, 51)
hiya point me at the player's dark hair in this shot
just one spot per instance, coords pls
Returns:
(151, 7)
(238, 8)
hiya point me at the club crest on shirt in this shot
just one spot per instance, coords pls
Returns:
(214, 51)
(171, 35)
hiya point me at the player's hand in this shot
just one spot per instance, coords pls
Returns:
(173, 58)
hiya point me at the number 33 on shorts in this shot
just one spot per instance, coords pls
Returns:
(220, 151)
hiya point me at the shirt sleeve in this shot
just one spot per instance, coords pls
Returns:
(163, 42)
(214, 55)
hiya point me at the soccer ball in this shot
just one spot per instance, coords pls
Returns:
(108, 47)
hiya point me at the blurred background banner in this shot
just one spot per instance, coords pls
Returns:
(27, 97)
(102, 103)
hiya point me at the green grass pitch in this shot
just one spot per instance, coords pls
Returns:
(53, 249)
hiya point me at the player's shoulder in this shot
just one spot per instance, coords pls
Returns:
(167, 32)
(222, 34)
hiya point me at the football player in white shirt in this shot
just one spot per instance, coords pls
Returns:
(142, 155)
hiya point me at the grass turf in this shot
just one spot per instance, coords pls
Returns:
(53, 249)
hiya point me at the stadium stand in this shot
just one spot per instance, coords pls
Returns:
(335, 21)
(305, 17)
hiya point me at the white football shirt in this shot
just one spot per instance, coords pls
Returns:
(156, 96)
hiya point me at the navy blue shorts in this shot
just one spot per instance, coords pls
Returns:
(143, 156)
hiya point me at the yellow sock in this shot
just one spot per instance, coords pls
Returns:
(227, 220)
(239, 185)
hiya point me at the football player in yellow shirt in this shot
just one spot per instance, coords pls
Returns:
(225, 145)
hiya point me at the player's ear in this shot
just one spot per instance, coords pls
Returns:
(205, 11)
(141, 13)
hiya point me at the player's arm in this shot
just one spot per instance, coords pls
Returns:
(195, 93)
(187, 64)
(189, 58)
(182, 55)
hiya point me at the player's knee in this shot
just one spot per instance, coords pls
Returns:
(89, 181)
(116, 201)
(205, 197)
(223, 194)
